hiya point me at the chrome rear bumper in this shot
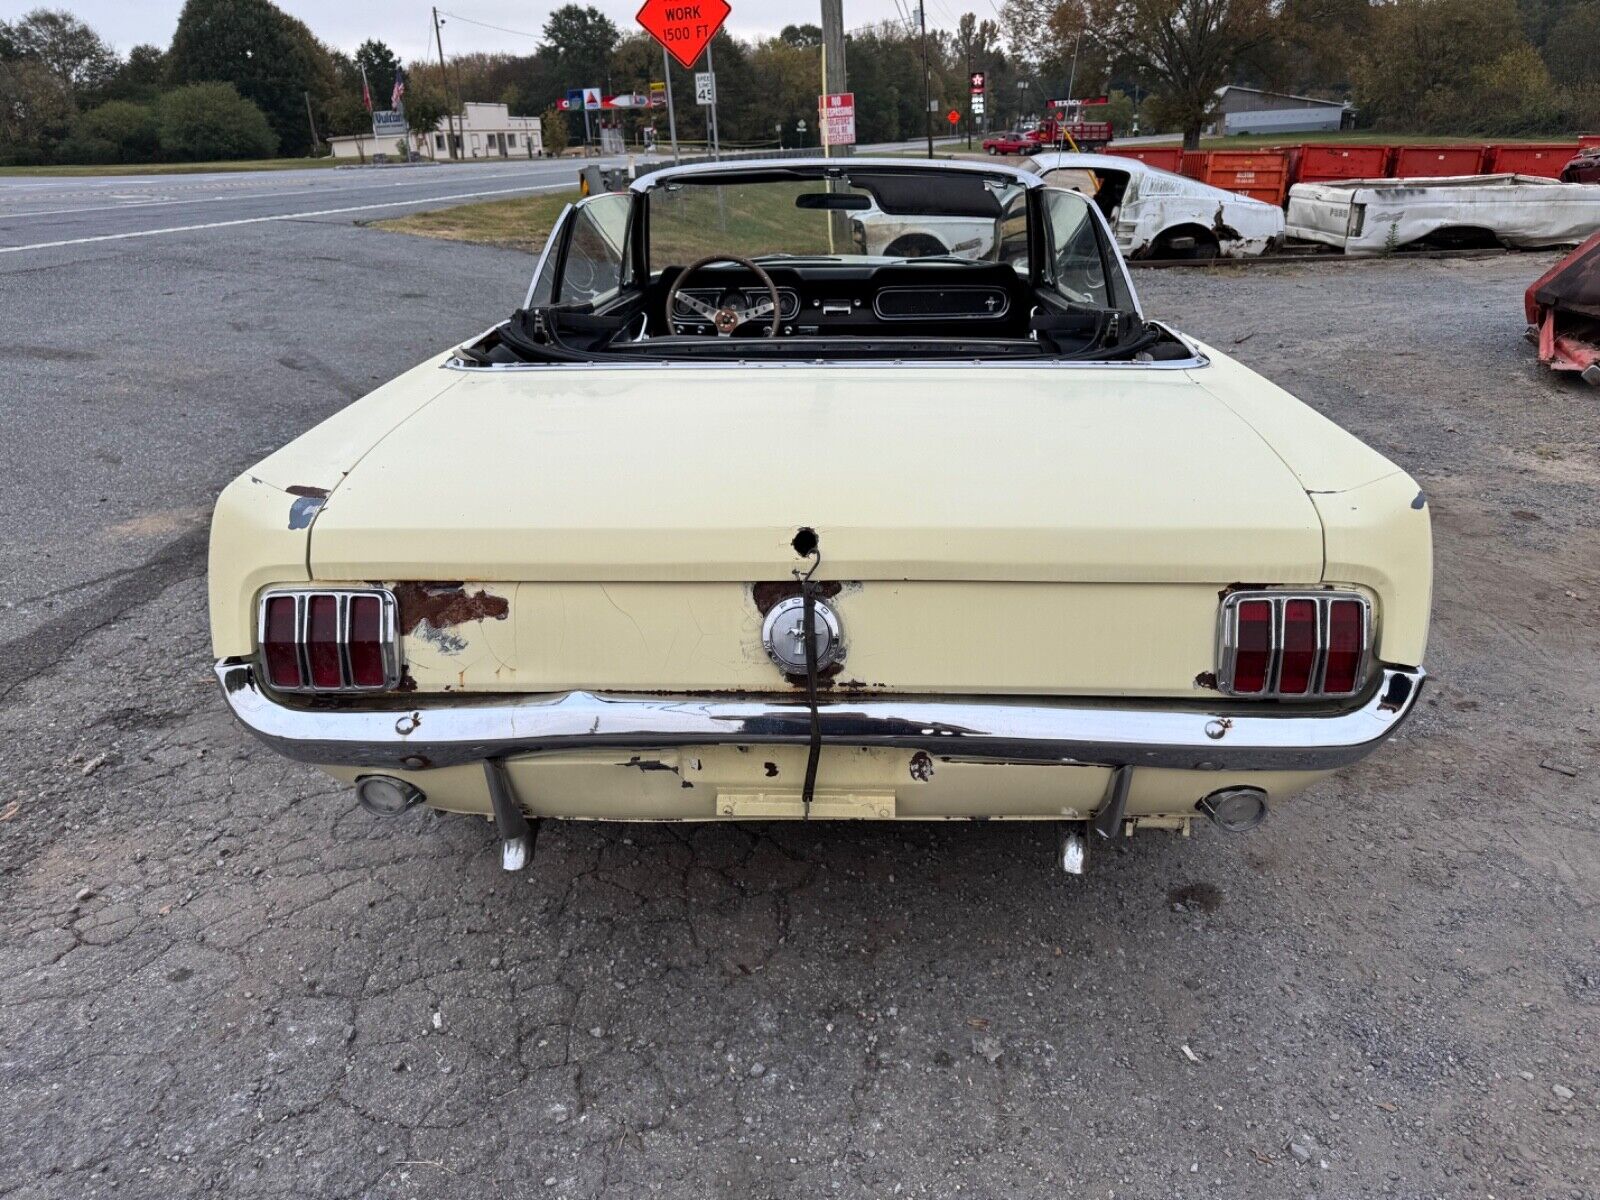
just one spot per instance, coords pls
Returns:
(445, 731)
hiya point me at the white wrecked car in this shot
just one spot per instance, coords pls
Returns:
(1373, 216)
(1157, 214)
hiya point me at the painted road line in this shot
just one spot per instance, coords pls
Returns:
(135, 201)
(293, 216)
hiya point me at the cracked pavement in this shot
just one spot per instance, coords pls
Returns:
(220, 977)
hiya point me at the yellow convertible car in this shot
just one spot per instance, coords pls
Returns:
(733, 520)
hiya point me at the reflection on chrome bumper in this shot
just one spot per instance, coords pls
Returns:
(443, 731)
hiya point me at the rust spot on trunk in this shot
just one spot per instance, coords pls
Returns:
(1206, 679)
(443, 605)
(300, 489)
(767, 594)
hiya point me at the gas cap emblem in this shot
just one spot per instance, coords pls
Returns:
(783, 634)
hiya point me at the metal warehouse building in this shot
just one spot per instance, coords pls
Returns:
(1250, 110)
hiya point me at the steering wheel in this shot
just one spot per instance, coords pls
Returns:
(725, 318)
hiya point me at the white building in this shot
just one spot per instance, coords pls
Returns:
(481, 131)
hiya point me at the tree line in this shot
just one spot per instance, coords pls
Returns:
(243, 79)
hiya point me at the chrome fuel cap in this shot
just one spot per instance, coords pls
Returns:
(783, 634)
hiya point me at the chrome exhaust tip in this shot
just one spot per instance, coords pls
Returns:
(1235, 809)
(386, 796)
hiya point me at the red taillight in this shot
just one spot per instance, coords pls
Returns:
(322, 642)
(1296, 646)
(1253, 646)
(365, 645)
(1299, 647)
(279, 646)
(1346, 638)
(329, 641)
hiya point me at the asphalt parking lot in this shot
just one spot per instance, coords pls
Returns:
(217, 976)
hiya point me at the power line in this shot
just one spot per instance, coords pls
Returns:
(538, 37)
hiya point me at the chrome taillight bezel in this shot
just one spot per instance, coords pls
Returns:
(388, 638)
(1227, 644)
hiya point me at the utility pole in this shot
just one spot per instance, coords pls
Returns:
(927, 79)
(969, 95)
(713, 129)
(316, 142)
(835, 77)
(444, 82)
(672, 112)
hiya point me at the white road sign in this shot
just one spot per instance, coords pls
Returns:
(705, 87)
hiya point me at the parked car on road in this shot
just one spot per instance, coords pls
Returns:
(1013, 142)
(1158, 214)
(1374, 216)
(730, 520)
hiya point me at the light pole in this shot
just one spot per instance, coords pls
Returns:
(927, 78)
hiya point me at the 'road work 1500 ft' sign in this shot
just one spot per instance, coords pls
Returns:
(683, 26)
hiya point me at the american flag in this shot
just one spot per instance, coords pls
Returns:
(399, 87)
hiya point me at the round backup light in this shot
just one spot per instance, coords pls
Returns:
(1235, 809)
(386, 796)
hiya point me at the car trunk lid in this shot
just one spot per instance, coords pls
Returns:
(673, 473)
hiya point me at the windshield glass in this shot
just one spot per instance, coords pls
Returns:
(860, 215)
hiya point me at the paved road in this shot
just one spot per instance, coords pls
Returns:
(38, 212)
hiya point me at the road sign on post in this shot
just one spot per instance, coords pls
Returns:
(705, 87)
(953, 116)
(683, 27)
(837, 119)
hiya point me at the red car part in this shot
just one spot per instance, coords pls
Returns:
(1563, 308)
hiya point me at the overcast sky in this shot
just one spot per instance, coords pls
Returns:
(405, 24)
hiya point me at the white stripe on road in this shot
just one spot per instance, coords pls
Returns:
(137, 201)
(322, 212)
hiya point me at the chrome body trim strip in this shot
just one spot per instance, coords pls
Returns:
(1213, 736)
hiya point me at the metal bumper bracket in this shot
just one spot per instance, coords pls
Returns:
(517, 833)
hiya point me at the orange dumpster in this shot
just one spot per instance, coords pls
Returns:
(1194, 164)
(1434, 162)
(1323, 163)
(1165, 158)
(1529, 159)
(1259, 174)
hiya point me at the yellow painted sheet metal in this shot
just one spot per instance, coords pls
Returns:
(688, 474)
(695, 785)
(937, 638)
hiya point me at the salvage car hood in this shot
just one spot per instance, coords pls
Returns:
(706, 473)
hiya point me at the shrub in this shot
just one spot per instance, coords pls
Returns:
(118, 131)
(205, 121)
